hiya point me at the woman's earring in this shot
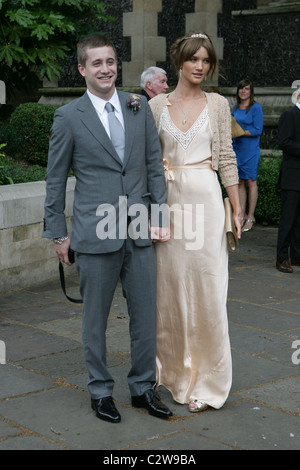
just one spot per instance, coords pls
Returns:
(180, 72)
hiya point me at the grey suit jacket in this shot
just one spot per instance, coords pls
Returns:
(79, 141)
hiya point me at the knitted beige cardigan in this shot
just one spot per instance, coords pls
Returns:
(223, 156)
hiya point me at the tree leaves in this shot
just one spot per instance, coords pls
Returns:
(42, 33)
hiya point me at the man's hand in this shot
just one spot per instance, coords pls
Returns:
(160, 234)
(62, 251)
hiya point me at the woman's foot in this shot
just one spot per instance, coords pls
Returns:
(195, 406)
(248, 225)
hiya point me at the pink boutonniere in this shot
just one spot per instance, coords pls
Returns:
(134, 103)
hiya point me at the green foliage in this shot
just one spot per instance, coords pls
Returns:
(4, 179)
(31, 123)
(35, 35)
(10, 138)
(5, 111)
(269, 200)
(12, 171)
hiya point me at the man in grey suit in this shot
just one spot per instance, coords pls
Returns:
(113, 178)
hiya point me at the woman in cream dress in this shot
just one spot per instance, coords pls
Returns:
(193, 348)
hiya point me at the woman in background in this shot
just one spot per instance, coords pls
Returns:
(248, 113)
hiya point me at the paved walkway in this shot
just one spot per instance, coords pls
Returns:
(44, 403)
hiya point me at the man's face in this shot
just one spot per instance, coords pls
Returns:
(159, 85)
(100, 71)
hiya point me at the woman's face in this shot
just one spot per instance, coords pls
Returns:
(197, 67)
(244, 93)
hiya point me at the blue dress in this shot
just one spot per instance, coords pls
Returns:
(247, 149)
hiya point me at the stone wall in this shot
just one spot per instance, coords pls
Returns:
(144, 31)
(26, 258)
(252, 37)
(260, 43)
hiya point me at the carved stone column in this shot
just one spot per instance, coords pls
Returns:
(146, 47)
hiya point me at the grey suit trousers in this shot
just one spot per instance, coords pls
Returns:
(99, 275)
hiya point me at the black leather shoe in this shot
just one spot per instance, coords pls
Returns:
(106, 410)
(284, 267)
(295, 262)
(152, 403)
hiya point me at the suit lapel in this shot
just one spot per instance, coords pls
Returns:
(92, 122)
(129, 124)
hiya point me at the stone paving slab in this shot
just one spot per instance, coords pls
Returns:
(251, 371)
(279, 318)
(252, 426)
(283, 394)
(16, 380)
(25, 342)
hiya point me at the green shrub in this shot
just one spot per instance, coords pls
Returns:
(5, 112)
(10, 137)
(269, 200)
(32, 123)
(12, 171)
(4, 179)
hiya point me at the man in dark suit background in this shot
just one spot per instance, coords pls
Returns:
(112, 180)
(288, 244)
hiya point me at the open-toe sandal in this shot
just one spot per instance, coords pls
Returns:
(248, 225)
(195, 406)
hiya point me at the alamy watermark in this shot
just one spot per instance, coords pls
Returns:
(296, 354)
(187, 221)
(2, 353)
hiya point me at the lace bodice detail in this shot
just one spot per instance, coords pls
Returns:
(223, 156)
(183, 138)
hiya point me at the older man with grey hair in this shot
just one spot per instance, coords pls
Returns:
(153, 82)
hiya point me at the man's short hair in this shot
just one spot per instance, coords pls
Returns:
(149, 75)
(91, 42)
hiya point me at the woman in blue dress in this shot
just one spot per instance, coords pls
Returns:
(249, 115)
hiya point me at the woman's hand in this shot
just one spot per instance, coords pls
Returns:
(237, 217)
(160, 234)
(233, 194)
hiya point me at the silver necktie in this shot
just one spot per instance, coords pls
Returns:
(117, 134)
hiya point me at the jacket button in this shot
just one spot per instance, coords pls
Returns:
(123, 173)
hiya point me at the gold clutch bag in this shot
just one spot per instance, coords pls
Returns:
(230, 229)
(236, 129)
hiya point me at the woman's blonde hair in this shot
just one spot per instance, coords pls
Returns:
(186, 47)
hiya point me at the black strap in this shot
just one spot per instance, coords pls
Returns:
(63, 285)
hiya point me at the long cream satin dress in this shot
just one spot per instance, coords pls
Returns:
(193, 348)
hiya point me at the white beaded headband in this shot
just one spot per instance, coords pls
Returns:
(199, 35)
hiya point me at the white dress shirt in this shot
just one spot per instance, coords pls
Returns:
(99, 105)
